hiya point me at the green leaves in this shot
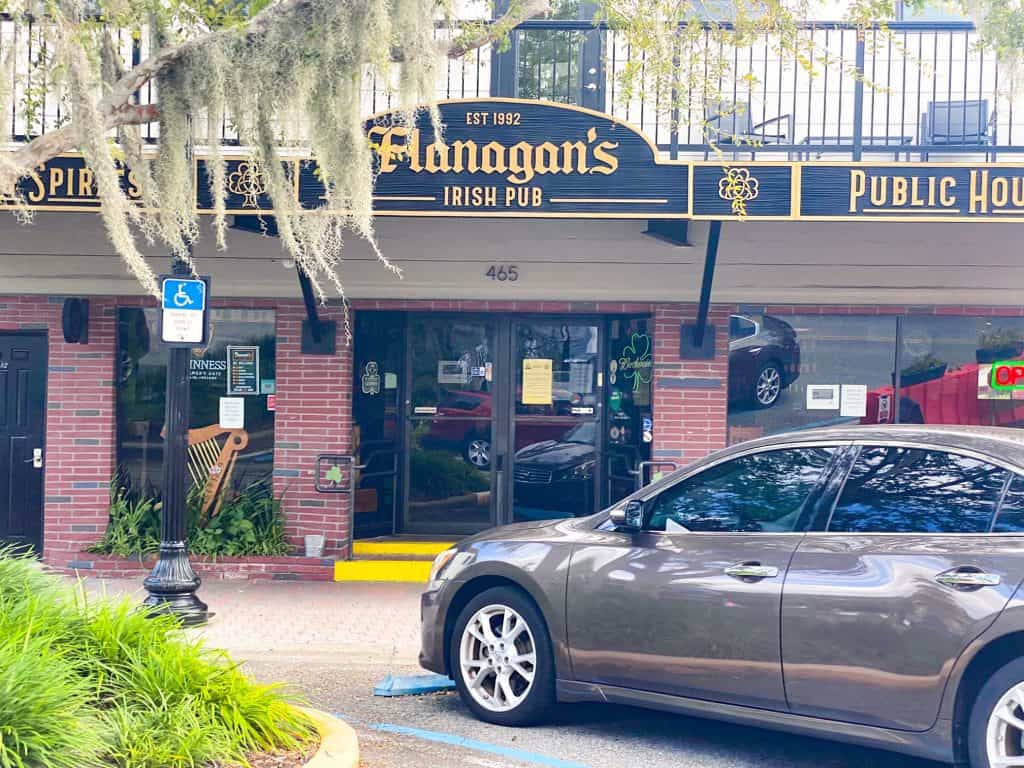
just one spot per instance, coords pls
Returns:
(101, 685)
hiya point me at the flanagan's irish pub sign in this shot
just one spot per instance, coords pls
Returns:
(518, 158)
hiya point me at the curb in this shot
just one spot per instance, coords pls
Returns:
(339, 747)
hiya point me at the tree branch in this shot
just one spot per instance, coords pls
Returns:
(117, 107)
(517, 13)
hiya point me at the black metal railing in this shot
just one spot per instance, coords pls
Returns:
(906, 91)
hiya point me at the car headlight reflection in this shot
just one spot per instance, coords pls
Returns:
(448, 564)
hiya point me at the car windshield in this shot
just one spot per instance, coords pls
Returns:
(582, 433)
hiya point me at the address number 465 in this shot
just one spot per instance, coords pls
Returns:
(503, 272)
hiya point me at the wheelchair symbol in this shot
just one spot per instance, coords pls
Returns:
(181, 299)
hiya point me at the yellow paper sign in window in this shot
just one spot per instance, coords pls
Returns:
(537, 382)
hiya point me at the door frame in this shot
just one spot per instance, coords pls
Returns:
(503, 416)
(43, 336)
(511, 322)
(408, 418)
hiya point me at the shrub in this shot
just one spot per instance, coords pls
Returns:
(249, 522)
(85, 684)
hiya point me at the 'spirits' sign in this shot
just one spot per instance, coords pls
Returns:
(511, 157)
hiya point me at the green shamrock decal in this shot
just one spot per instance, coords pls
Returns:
(635, 360)
(334, 475)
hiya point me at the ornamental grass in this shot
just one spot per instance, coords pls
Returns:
(94, 684)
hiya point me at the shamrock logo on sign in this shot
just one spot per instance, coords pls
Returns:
(333, 475)
(635, 360)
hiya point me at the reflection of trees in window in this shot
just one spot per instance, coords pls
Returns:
(903, 490)
(549, 65)
(761, 492)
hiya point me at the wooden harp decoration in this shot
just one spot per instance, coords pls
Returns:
(212, 452)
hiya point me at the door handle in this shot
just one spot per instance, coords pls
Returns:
(37, 458)
(969, 579)
(752, 571)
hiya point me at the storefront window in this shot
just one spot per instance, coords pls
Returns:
(799, 371)
(233, 399)
(945, 367)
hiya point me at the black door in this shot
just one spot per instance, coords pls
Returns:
(22, 430)
(376, 404)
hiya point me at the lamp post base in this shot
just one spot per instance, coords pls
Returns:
(172, 586)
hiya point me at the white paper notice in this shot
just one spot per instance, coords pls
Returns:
(854, 401)
(822, 397)
(232, 413)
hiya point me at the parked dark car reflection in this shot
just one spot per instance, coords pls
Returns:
(764, 359)
(878, 566)
(553, 475)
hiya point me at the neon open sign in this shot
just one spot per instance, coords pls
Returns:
(1008, 374)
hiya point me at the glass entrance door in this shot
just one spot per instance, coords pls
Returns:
(451, 413)
(556, 418)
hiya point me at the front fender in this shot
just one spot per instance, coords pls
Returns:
(539, 568)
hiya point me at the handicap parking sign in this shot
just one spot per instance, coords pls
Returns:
(185, 294)
(184, 310)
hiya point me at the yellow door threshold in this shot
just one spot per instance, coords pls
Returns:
(399, 547)
(409, 571)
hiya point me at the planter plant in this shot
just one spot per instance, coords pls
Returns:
(999, 344)
(925, 368)
(97, 684)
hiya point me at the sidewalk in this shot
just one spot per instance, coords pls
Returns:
(370, 623)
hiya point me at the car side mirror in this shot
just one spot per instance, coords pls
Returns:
(629, 516)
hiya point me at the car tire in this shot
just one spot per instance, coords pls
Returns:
(477, 451)
(768, 385)
(521, 700)
(1004, 688)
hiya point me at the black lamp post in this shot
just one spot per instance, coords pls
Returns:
(172, 584)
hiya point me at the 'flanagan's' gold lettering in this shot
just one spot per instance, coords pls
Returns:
(520, 162)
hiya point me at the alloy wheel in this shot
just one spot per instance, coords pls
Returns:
(769, 384)
(498, 658)
(1004, 737)
(478, 452)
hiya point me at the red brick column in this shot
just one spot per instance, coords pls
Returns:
(314, 415)
(690, 396)
(80, 421)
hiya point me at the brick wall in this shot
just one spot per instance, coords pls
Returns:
(314, 415)
(80, 421)
(690, 396)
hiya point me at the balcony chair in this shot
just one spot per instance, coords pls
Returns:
(731, 123)
(958, 124)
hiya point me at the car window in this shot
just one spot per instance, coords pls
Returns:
(740, 327)
(758, 492)
(911, 490)
(1011, 513)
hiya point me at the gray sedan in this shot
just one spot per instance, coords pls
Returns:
(859, 584)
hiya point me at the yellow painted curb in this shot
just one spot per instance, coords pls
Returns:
(411, 571)
(339, 747)
(400, 547)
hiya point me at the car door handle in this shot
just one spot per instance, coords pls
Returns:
(968, 579)
(752, 571)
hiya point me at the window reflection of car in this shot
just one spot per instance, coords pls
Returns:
(553, 473)
(764, 359)
(470, 433)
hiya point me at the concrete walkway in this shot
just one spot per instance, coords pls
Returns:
(375, 623)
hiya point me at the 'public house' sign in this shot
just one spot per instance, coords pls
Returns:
(519, 158)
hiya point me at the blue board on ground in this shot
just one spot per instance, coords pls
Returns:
(412, 685)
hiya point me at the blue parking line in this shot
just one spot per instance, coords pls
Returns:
(479, 746)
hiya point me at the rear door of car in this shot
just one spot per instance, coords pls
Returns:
(689, 606)
(911, 564)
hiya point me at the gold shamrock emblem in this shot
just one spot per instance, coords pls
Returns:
(247, 180)
(738, 186)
